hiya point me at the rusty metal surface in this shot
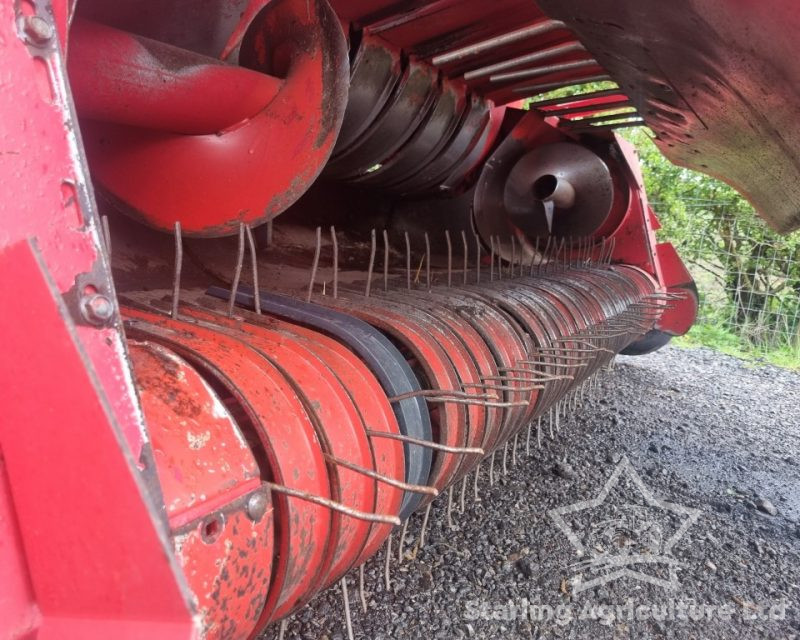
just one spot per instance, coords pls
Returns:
(339, 428)
(277, 419)
(383, 359)
(370, 401)
(433, 365)
(210, 479)
(727, 105)
(474, 415)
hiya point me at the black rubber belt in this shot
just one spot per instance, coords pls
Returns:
(382, 358)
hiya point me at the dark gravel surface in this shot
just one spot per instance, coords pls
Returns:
(703, 431)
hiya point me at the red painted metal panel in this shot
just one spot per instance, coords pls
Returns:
(45, 196)
(96, 550)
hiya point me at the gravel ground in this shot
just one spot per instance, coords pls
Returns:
(703, 431)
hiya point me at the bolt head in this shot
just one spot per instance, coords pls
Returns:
(257, 506)
(38, 30)
(97, 308)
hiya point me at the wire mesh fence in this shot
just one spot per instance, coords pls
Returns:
(748, 277)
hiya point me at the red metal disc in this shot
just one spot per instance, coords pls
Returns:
(518, 345)
(285, 441)
(460, 358)
(503, 340)
(373, 405)
(429, 359)
(339, 427)
(221, 520)
(437, 303)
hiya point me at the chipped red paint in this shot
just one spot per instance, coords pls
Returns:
(208, 475)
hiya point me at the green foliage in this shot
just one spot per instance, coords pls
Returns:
(748, 276)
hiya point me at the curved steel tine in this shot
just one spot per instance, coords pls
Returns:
(534, 253)
(237, 274)
(449, 258)
(514, 451)
(528, 439)
(557, 351)
(361, 595)
(566, 262)
(401, 542)
(335, 243)
(176, 277)
(544, 255)
(540, 375)
(427, 261)
(314, 266)
(500, 387)
(438, 393)
(385, 260)
(346, 599)
(425, 443)
(491, 259)
(582, 339)
(331, 504)
(254, 261)
(475, 494)
(386, 576)
(408, 261)
(651, 306)
(559, 245)
(611, 250)
(398, 484)
(456, 397)
(423, 529)
(450, 508)
(466, 255)
(539, 433)
(106, 236)
(499, 260)
(477, 258)
(513, 255)
(372, 251)
(557, 365)
(462, 497)
(520, 379)
(666, 296)
(602, 251)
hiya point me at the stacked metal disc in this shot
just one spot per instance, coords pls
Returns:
(338, 417)
(406, 130)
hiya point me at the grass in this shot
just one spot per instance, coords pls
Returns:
(717, 337)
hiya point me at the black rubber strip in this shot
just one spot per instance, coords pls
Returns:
(382, 358)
